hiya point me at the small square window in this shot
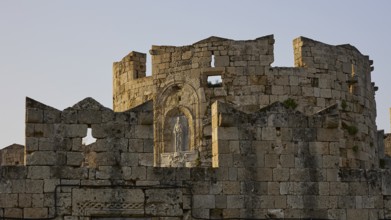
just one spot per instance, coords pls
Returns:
(215, 81)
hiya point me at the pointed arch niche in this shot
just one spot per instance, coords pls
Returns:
(176, 126)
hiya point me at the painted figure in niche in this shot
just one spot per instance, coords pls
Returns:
(178, 133)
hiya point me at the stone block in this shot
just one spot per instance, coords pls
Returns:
(144, 131)
(358, 188)
(145, 159)
(280, 202)
(225, 160)
(271, 160)
(330, 161)
(386, 183)
(136, 145)
(228, 133)
(295, 202)
(13, 213)
(8, 200)
(354, 214)
(264, 174)
(47, 144)
(34, 115)
(221, 61)
(287, 160)
(36, 200)
(221, 201)
(108, 172)
(134, 173)
(51, 116)
(231, 213)
(6, 186)
(69, 116)
(163, 202)
(148, 146)
(280, 174)
(67, 172)
(201, 213)
(107, 158)
(319, 148)
(347, 202)
(38, 172)
(75, 130)
(109, 129)
(18, 185)
(231, 187)
(204, 201)
(235, 201)
(216, 188)
(41, 158)
(273, 188)
(32, 143)
(129, 159)
(269, 133)
(325, 134)
(88, 116)
(34, 186)
(49, 185)
(324, 188)
(75, 158)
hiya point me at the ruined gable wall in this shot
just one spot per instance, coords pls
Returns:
(58, 163)
(12, 155)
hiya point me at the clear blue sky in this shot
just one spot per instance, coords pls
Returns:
(59, 52)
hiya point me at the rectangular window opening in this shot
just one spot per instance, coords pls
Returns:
(212, 63)
(215, 81)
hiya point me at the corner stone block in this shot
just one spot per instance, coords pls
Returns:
(34, 115)
(51, 116)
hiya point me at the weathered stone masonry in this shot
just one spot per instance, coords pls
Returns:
(268, 142)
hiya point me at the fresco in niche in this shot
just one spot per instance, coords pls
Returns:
(176, 134)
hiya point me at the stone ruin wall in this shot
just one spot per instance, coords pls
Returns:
(323, 75)
(12, 155)
(257, 160)
(267, 164)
